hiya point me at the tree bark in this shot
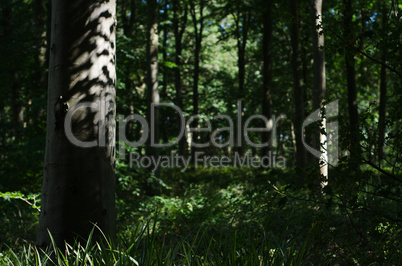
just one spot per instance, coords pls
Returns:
(242, 23)
(352, 91)
(179, 26)
(78, 184)
(197, 51)
(297, 85)
(267, 76)
(128, 21)
(383, 90)
(15, 106)
(152, 73)
(165, 74)
(319, 84)
(41, 61)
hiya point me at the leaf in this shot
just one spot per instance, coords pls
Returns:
(169, 64)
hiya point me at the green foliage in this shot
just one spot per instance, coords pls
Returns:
(18, 217)
(227, 216)
(270, 209)
(144, 247)
(18, 195)
(237, 216)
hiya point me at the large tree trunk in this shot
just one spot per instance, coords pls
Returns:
(152, 73)
(319, 84)
(297, 85)
(79, 172)
(267, 76)
(197, 51)
(179, 26)
(351, 85)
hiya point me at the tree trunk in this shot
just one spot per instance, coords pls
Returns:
(297, 86)
(79, 172)
(128, 21)
(267, 76)
(40, 22)
(165, 73)
(41, 61)
(15, 107)
(242, 24)
(179, 29)
(383, 90)
(319, 84)
(152, 73)
(352, 91)
(197, 51)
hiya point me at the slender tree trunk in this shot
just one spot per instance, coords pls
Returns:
(352, 91)
(165, 74)
(242, 24)
(79, 172)
(41, 61)
(241, 65)
(128, 20)
(197, 51)
(267, 76)
(179, 29)
(363, 78)
(383, 90)
(297, 86)
(319, 84)
(165, 57)
(40, 22)
(15, 107)
(152, 73)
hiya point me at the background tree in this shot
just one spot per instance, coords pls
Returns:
(297, 84)
(351, 84)
(319, 83)
(267, 75)
(197, 50)
(242, 18)
(383, 85)
(152, 72)
(180, 9)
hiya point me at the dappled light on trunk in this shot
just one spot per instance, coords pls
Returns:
(78, 181)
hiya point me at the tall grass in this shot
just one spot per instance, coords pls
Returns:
(145, 247)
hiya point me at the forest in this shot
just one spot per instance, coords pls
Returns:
(200, 132)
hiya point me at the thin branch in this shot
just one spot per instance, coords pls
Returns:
(363, 53)
(382, 171)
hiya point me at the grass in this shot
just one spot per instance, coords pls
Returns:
(145, 247)
(232, 217)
